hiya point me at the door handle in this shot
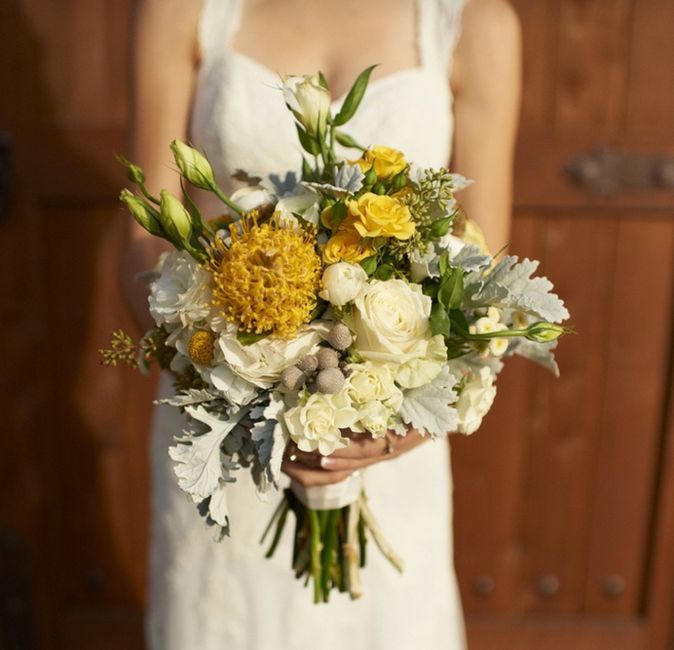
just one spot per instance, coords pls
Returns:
(608, 170)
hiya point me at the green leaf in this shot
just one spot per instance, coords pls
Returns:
(309, 144)
(322, 81)
(307, 172)
(383, 272)
(430, 289)
(337, 214)
(440, 322)
(248, 338)
(347, 141)
(440, 227)
(450, 292)
(369, 264)
(459, 321)
(354, 97)
(443, 263)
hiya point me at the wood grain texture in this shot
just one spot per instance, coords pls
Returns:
(639, 328)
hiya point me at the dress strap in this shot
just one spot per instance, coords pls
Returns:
(439, 23)
(218, 21)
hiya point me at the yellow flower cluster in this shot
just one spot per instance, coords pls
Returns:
(386, 161)
(266, 280)
(200, 347)
(369, 216)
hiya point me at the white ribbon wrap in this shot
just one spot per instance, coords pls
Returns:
(330, 497)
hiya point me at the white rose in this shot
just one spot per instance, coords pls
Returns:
(261, 363)
(391, 324)
(374, 417)
(315, 425)
(370, 382)
(308, 101)
(475, 400)
(181, 295)
(342, 282)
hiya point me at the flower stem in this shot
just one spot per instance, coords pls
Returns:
(227, 201)
(315, 552)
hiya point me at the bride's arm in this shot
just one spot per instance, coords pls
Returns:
(164, 62)
(486, 82)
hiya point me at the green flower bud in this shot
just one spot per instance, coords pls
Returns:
(399, 181)
(134, 172)
(193, 165)
(370, 177)
(379, 188)
(543, 332)
(143, 213)
(175, 218)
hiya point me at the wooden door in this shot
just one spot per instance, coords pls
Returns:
(73, 508)
(564, 498)
(564, 501)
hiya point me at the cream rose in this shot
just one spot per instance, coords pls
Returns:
(370, 382)
(342, 282)
(261, 363)
(391, 324)
(374, 417)
(315, 425)
(475, 400)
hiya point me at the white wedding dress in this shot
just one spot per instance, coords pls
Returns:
(226, 596)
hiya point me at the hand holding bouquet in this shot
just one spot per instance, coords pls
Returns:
(342, 301)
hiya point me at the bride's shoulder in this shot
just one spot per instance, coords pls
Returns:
(169, 25)
(489, 43)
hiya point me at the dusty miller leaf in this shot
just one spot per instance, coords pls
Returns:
(200, 464)
(428, 409)
(510, 285)
(189, 397)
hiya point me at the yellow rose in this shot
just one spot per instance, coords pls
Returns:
(386, 161)
(346, 246)
(381, 216)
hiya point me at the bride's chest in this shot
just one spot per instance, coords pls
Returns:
(239, 117)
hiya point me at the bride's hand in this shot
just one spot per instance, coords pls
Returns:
(310, 469)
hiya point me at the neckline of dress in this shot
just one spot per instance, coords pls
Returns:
(421, 68)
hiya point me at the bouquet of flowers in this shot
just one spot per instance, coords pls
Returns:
(354, 295)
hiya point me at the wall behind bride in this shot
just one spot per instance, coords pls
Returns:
(564, 498)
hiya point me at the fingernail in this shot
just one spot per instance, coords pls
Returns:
(328, 463)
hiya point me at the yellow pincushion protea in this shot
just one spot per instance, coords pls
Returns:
(267, 279)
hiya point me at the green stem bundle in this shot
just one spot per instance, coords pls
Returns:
(329, 545)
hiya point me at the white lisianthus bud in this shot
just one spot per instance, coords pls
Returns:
(308, 101)
(342, 282)
(543, 332)
(174, 218)
(146, 216)
(193, 165)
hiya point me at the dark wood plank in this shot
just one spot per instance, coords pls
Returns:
(638, 328)
(560, 633)
(564, 415)
(592, 73)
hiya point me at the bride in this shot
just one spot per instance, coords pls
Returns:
(447, 87)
